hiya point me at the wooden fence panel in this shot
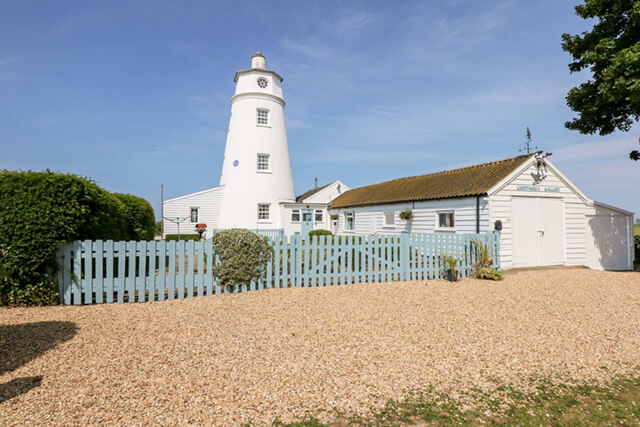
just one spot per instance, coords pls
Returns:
(98, 272)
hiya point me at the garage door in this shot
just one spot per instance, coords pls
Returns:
(537, 231)
(608, 242)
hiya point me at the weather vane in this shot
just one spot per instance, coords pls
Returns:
(527, 144)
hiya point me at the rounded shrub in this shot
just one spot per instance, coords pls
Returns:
(320, 232)
(39, 210)
(243, 256)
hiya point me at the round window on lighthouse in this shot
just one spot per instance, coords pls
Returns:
(262, 82)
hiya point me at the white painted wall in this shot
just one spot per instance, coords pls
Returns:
(208, 203)
(319, 200)
(609, 239)
(245, 187)
(369, 219)
(576, 209)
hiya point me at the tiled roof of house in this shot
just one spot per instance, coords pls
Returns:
(468, 181)
(310, 193)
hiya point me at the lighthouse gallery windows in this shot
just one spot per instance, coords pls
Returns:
(263, 117)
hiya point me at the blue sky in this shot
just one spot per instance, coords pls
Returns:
(137, 94)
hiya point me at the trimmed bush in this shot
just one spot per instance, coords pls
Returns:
(489, 274)
(38, 210)
(636, 243)
(139, 217)
(320, 233)
(243, 256)
(195, 237)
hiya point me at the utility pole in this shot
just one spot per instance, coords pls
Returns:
(162, 210)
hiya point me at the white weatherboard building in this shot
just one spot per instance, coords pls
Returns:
(256, 185)
(542, 217)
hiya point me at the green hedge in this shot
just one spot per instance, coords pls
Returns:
(139, 217)
(195, 237)
(39, 210)
(636, 242)
(320, 232)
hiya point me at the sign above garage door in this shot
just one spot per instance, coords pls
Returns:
(537, 188)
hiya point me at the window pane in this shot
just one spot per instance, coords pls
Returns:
(295, 215)
(263, 162)
(445, 220)
(389, 218)
(263, 117)
(306, 216)
(318, 215)
(348, 221)
(263, 211)
(194, 214)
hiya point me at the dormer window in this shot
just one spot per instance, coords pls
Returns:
(263, 117)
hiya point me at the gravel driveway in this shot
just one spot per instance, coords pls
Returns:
(231, 359)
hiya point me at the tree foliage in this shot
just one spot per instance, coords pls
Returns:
(243, 256)
(139, 217)
(611, 51)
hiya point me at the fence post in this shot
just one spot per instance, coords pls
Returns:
(496, 245)
(404, 255)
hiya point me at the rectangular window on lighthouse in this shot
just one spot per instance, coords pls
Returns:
(263, 117)
(263, 211)
(263, 162)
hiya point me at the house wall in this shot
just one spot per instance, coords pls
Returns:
(291, 228)
(208, 203)
(609, 239)
(575, 210)
(370, 219)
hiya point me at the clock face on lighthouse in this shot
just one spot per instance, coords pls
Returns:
(262, 82)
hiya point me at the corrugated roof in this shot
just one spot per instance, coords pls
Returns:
(468, 181)
(310, 193)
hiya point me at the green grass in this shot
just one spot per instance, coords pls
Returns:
(550, 403)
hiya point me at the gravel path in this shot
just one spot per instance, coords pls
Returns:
(231, 359)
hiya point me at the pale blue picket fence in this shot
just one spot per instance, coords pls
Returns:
(107, 271)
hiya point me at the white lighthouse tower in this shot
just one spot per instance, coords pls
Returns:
(256, 171)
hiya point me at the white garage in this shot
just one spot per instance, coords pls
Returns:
(542, 217)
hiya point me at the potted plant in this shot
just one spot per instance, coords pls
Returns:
(406, 215)
(450, 263)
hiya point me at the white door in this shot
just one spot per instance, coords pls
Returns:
(608, 242)
(537, 231)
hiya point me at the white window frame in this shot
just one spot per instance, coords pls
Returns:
(294, 211)
(191, 209)
(264, 118)
(353, 221)
(268, 217)
(446, 212)
(384, 219)
(315, 215)
(268, 169)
